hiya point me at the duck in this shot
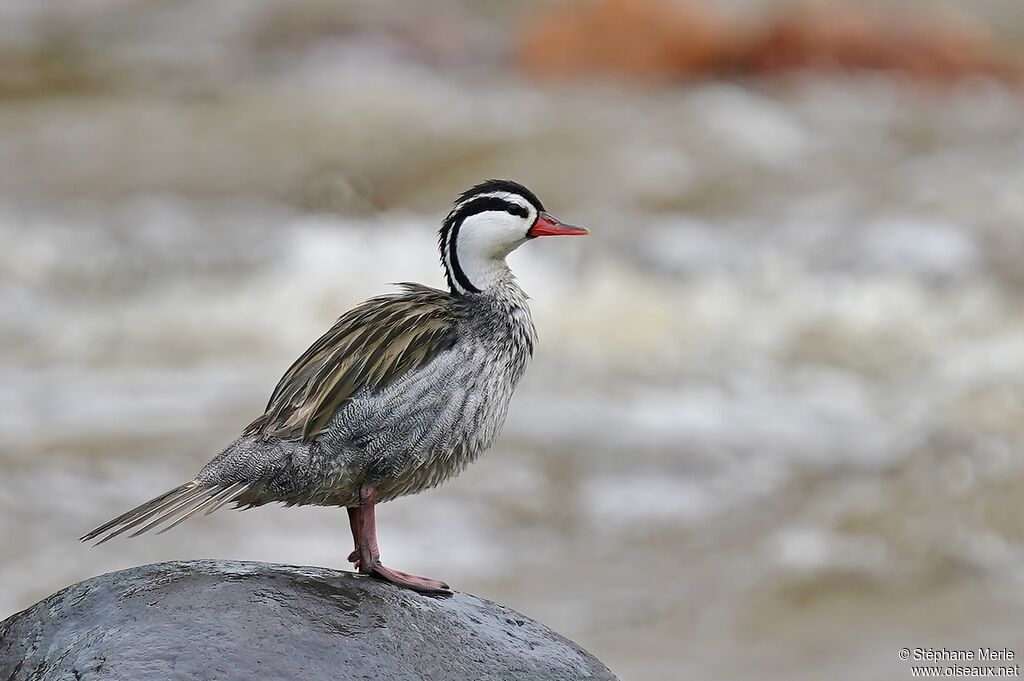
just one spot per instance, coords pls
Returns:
(401, 394)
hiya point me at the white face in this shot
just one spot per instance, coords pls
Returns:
(484, 239)
(496, 233)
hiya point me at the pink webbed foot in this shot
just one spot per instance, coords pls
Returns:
(399, 578)
(404, 579)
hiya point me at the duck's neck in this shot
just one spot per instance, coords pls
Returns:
(512, 317)
(479, 275)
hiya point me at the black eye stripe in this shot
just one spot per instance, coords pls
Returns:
(485, 204)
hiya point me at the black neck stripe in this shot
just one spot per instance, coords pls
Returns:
(454, 223)
(453, 257)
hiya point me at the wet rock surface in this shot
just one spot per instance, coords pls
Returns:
(231, 620)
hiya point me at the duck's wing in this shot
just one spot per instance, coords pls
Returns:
(369, 347)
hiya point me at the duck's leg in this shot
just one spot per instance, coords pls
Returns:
(353, 523)
(364, 531)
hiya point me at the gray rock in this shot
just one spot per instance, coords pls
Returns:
(228, 620)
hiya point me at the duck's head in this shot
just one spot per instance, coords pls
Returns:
(486, 223)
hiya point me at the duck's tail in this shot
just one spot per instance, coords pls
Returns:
(170, 509)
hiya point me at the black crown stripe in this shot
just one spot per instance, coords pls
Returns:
(507, 186)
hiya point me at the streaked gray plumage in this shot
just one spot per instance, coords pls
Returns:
(403, 433)
(402, 393)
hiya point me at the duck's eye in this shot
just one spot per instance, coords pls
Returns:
(516, 209)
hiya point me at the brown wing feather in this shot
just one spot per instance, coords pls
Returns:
(368, 347)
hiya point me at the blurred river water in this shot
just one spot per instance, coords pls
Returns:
(774, 425)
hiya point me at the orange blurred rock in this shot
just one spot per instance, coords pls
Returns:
(632, 39)
(833, 36)
(651, 40)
